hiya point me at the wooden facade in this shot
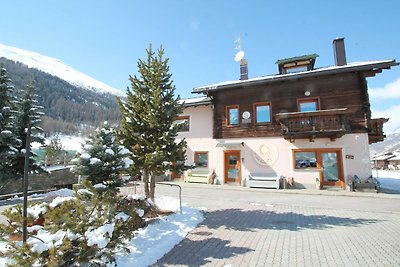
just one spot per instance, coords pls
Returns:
(270, 120)
(343, 107)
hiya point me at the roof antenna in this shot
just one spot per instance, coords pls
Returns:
(239, 57)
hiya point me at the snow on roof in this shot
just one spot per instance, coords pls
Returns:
(395, 158)
(349, 67)
(383, 157)
(195, 101)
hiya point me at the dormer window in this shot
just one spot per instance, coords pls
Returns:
(296, 69)
(296, 64)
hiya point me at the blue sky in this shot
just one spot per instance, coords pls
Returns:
(104, 39)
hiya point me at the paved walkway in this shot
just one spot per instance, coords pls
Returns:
(247, 227)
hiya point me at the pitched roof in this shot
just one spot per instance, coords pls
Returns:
(395, 158)
(291, 59)
(383, 157)
(195, 101)
(350, 67)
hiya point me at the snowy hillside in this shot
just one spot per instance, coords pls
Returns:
(57, 68)
(390, 144)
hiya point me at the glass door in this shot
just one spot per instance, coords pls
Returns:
(331, 174)
(232, 166)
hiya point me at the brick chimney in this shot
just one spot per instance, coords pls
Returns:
(244, 72)
(339, 52)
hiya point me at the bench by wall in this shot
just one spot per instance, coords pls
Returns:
(263, 180)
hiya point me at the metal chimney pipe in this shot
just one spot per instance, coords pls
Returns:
(244, 72)
(339, 52)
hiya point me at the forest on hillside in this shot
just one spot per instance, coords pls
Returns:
(68, 109)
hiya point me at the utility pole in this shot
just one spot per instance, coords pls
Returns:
(25, 188)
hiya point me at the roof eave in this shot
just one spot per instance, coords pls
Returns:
(288, 77)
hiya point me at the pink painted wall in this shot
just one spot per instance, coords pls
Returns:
(199, 137)
(201, 124)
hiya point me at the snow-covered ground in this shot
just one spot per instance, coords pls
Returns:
(69, 142)
(152, 242)
(389, 180)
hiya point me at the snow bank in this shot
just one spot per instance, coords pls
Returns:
(152, 242)
(58, 193)
(167, 204)
(58, 200)
(388, 179)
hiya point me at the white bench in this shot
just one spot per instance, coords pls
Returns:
(199, 175)
(263, 180)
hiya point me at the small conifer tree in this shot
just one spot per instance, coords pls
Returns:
(54, 150)
(85, 229)
(102, 158)
(8, 139)
(28, 113)
(147, 125)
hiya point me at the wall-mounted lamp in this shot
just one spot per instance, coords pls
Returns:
(292, 139)
(307, 93)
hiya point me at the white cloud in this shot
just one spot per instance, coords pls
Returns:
(393, 113)
(389, 91)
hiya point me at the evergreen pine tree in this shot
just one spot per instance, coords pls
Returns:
(102, 158)
(54, 151)
(147, 125)
(8, 140)
(28, 113)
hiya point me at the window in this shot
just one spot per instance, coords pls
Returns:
(308, 104)
(262, 112)
(232, 114)
(201, 159)
(185, 122)
(296, 69)
(304, 160)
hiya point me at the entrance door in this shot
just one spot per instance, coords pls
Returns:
(331, 174)
(232, 166)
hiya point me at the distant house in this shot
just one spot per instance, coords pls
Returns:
(382, 161)
(394, 162)
(303, 122)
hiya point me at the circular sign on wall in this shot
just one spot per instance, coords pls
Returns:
(246, 115)
(265, 154)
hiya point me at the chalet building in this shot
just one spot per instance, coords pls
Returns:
(382, 161)
(303, 123)
(388, 160)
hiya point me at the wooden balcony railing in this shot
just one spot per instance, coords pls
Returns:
(332, 123)
(375, 130)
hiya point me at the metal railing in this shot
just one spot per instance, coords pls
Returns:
(180, 192)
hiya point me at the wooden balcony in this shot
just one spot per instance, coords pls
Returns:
(332, 123)
(375, 130)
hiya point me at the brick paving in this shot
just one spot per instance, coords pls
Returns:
(246, 233)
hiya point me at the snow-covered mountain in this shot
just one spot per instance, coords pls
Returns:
(56, 68)
(390, 144)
